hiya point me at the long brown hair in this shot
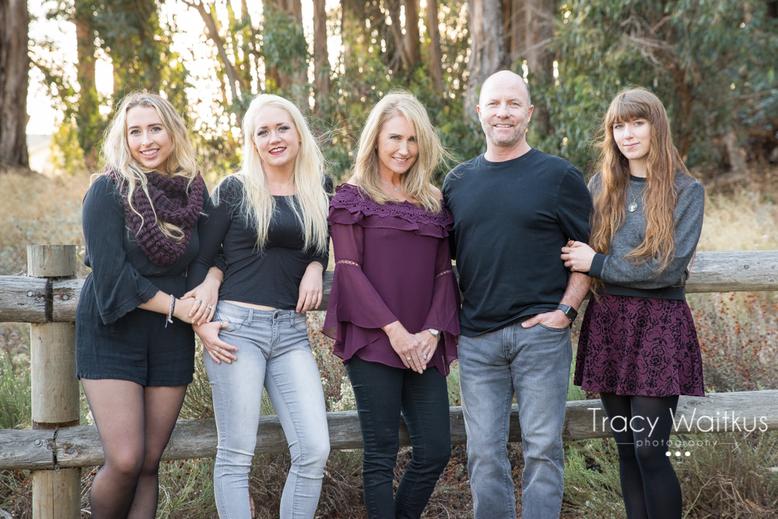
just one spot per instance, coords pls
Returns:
(659, 197)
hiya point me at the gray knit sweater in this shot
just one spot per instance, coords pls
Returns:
(625, 276)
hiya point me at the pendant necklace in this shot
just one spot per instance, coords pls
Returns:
(633, 204)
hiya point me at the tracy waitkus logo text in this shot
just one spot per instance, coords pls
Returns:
(726, 421)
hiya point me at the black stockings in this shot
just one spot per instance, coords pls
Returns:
(135, 424)
(648, 482)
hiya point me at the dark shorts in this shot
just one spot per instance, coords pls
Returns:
(137, 347)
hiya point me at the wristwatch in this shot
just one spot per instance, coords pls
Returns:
(570, 312)
(433, 331)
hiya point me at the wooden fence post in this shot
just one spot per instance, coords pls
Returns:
(55, 401)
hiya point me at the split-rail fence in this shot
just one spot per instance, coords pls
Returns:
(57, 446)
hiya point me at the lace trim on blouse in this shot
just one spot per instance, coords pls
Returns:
(350, 198)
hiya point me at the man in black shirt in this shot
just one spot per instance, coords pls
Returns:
(514, 208)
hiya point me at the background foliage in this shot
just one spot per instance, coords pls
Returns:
(711, 62)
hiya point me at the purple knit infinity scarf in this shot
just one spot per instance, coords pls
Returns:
(173, 204)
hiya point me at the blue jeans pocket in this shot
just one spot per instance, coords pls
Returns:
(551, 329)
(234, 321)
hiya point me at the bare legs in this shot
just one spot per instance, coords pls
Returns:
(134, 424)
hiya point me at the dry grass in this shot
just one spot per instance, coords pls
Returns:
(37, 210)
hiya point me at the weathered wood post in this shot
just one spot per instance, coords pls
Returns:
(55, 402)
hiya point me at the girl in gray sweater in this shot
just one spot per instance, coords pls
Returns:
(638, 346)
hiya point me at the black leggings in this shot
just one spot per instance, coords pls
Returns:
(648, 482)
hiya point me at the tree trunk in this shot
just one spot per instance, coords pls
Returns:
(411, 43)
(513, 31)
(14, 66)
(487, 49)
(321, 62)
(88, 120)
(435, 63)
(538, 35)
(400, 60)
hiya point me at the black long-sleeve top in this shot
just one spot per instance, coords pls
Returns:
(122, 276)
(267, 277)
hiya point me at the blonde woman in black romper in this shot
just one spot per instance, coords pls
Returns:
(135, 346)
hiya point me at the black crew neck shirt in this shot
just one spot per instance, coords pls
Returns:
(268, 277)
(511, 220)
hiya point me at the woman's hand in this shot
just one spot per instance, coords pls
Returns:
(205, 296)
(183, 310)
(577, 256)
(429, 343)
(407, 346)
(217, 349)
(310, 291)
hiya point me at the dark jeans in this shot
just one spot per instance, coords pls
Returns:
(382, 393)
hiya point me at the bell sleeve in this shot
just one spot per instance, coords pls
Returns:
(443, 314)
(353, 298)
(118, 287)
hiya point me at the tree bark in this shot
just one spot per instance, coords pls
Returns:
(538, 35)
(400, 60)
(435, 63)
(411, 42)
(14, 66)
(88, 120)
(321, 62)
(513, 30)
(487, 48)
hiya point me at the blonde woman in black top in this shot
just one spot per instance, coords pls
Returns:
(269, 222)
(134, 344)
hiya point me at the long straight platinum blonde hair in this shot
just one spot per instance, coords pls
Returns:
(258, 205)
(118, 158)
(416, 181)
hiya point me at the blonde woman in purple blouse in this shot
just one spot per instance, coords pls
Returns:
(394, 302)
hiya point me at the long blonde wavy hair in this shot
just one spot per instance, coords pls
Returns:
(118, 158)
(258, 205)
(659, 197)
(416, 181)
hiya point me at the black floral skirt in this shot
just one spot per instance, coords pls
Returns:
(639, 347)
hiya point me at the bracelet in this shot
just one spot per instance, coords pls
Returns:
(170, 310)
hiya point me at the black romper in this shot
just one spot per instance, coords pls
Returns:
(114, 338)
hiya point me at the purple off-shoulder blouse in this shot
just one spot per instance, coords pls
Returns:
(392, 262)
